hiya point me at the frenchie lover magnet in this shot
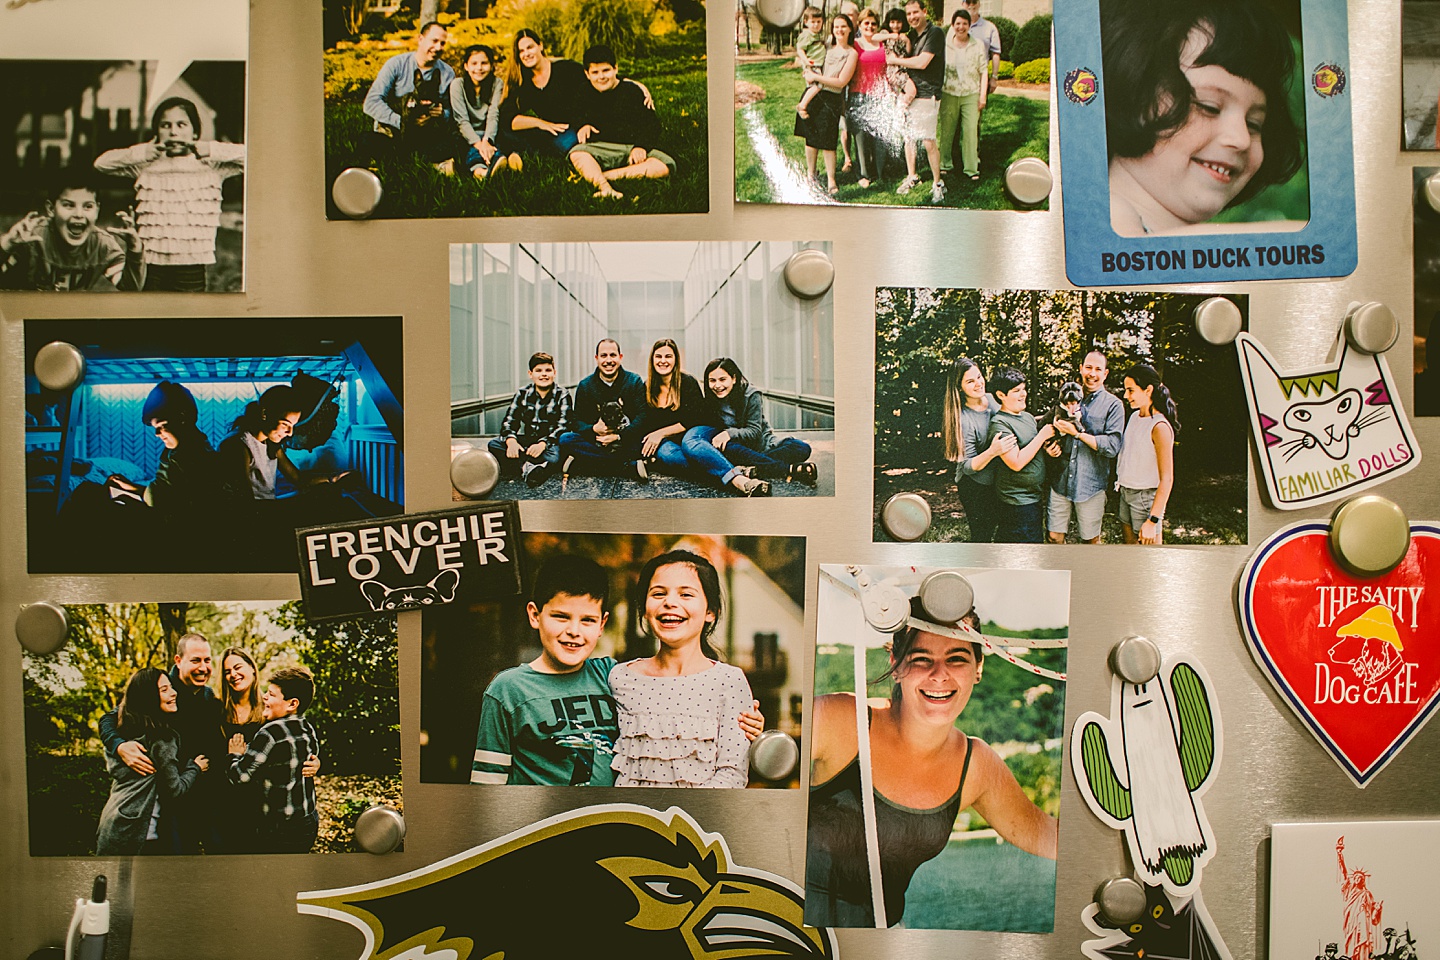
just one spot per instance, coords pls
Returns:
(1358, 660)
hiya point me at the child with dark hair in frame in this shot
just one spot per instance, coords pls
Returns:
(538, 415)
(618, 140)
(1021, 480)
(178, 179)
(275, 758)
(1197, 112)
(64, 248)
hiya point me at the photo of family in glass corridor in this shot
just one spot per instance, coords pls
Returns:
(613, 371)
(1064, 416)
(924, 102)
(519, 107)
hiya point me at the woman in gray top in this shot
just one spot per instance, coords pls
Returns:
(968, 408)
(138, 815)
(475, 97)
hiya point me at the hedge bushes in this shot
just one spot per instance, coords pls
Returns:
(1036, 71)
(1033, 41)
(1008, 30)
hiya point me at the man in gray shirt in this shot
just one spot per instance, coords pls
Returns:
(1087, 475)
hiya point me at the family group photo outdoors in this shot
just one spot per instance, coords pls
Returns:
(924, 102)
(631, 660)
(209, 728)
(1034, 416)
(652, 370)
(520, 107)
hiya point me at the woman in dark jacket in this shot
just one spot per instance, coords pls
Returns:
(136, 818)
(735, 426)
(674, 404)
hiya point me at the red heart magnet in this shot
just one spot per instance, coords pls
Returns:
(1358, 660)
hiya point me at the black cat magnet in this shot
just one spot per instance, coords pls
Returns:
(410, 562)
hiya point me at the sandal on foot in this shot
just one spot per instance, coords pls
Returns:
(750, 487)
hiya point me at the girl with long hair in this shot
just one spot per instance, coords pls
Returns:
(677, 709)
(967, 412)
(137, 817)
(255, 450)
(821, 125)
(736, 427)
(1145, 472)
(476, 96)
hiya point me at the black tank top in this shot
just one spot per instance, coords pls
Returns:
(837, 873)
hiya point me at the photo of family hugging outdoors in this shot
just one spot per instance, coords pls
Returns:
(114, 176)
(639, 660)
(1068, 416)
(214, 728)
(964, 717)
(581, 425)
(925, 102)
(189, 447)
(534, 107)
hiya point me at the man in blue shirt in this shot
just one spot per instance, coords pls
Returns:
(409, 103)
(1087, 475)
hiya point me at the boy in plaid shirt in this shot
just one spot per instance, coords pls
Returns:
(537, 415)
(289, 820)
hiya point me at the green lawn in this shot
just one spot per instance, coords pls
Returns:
(548, 186)
(1209, 510)
(1011, 127)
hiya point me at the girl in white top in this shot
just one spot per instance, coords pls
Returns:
(678, 709)
(1145, 472)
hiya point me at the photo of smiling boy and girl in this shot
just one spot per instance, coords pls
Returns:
(107, 183)
(700, 672)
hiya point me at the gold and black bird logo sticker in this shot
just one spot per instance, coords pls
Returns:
(615, 880)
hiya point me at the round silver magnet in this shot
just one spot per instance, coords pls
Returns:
(946, 596)
(42, 627)
(1369, 535)
(906, 516)
(774, 755)
(357, 192)
(1372, 327)
(1029, 181)
(474, 473)
(779, 14)
(59, 366)
(1135, 660)
(1432, 191)
(809, 274)
(1218, 320)
(379, 829)
(1121, 901)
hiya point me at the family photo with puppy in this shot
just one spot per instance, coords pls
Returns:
(1031, 416)
(209, 728)
(536, 107)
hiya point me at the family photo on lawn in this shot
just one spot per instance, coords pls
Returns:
(1032, 416)
(936, 103)
(537, 107)
(214, 728)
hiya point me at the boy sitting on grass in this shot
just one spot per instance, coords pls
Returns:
(530, 433)
(290, 819)
(64, 248)
(618, 141)
(552, 721)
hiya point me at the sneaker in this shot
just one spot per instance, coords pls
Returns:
(805, 473)
(750, 487)
(906, 185)
(641, 472)
(569, 462)
(745, 471)
(537, 473)
(937, 191)
(446, 167)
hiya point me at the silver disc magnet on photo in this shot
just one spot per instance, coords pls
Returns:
(774, 755)
(1121, 901)
(1029, 181)
(946, 596)
(780, 14)
(379, 829)
(1135, 660)
(357, 192)
(1372, 327)
(59, 366)
(906, 516)
(474, 473)
(42, 627)
(1369, 535)
(1218, 320)
(809, 274)
(1432, 191)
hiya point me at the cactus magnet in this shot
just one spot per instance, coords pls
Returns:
(1356, 658)
(1327, 430)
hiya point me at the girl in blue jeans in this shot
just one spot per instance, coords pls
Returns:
(674, 403)
(736, 427)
